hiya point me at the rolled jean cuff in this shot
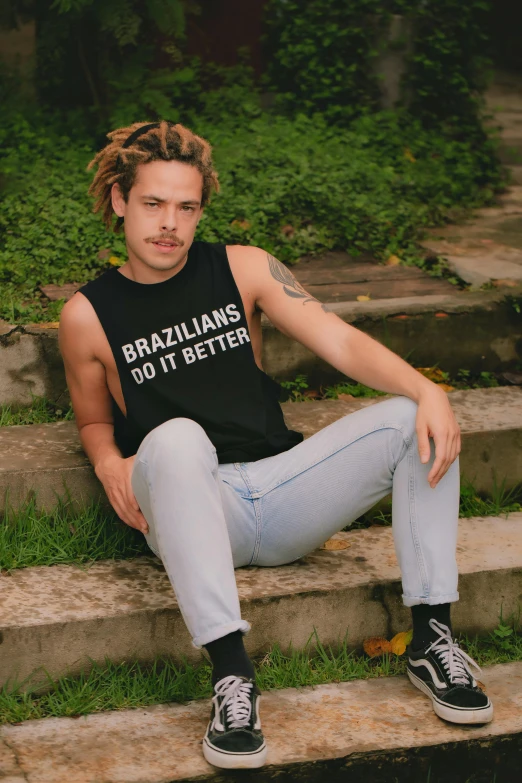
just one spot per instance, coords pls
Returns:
(221, 630)
(432, 600)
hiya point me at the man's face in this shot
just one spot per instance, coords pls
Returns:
(161, 213)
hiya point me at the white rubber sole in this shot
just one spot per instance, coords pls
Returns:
(453, 714)
(224, 760)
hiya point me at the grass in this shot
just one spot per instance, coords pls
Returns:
(502, 501)
(31, 537)
(119, 686)
(299, 390)
(41, 411)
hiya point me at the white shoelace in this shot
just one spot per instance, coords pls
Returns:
(454, 660)
(236, 695)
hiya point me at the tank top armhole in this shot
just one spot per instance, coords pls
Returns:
(226, 262)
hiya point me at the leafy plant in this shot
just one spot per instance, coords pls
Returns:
(322, 57)
(295, 388)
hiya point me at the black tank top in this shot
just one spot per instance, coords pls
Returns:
(182, 348)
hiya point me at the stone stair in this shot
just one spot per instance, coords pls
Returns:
(59, 617)
(419, 327)
(48, 458)
(379, 730)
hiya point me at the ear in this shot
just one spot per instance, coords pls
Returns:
(118, 202)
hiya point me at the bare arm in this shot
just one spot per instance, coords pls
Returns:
(91, 401)
(300, 316)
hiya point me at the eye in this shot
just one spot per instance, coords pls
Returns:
(151, 203)
(188, 208)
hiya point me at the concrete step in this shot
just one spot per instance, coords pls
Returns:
(48, 458)
(60, 616)
(421, 328)
(381, 730)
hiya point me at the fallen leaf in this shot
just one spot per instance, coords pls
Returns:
(104, 254)
(363, 298)
(376, 646)
(400, 641)
(408, 154)
(446, 387)
(244, 224)
(335, 544)
(48, 325)
(343, 396)
(393, 261)
(481, 686)
(434, 374)
(504, 282)
(288, 230)
(115, 261)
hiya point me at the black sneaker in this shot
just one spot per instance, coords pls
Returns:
(442, 671)
(234, 739)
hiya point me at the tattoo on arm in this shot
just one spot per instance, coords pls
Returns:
(291, 286)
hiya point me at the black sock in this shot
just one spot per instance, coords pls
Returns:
(228, 656)
(421, 614)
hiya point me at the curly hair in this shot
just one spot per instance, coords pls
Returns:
(118, 161)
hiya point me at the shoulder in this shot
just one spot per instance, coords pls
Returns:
(248, 260)
(79, 324)
(249, 254)
(258, 264)
(78, 311)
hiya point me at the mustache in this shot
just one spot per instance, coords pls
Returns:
(166, 237)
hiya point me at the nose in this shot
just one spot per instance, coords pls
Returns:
(168, 220)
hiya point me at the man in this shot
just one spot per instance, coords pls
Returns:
(185, 432)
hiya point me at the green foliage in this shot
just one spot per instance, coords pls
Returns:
(319, 54)
(504, 637)
(41, 411)
(354, 389)
(322, 56)
(124, 19)
(81, 43)
(484, 380)
(500, 501)
(295, 388)
(31, 537)
(370, 187)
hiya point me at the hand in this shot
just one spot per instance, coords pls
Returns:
(435, 418)
(115, 475)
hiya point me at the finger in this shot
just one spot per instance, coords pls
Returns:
(440, 458)
(134, 509)
(453, 450)
(137, 519)
(144, 523)
(443, 470)
(132, 520)
(124, 512)
(423, 443)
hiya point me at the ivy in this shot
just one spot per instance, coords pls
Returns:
(322, 56)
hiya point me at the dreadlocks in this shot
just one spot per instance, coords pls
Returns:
(118, 161)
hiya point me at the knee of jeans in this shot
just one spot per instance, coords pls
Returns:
(404, 414)
(179, 438)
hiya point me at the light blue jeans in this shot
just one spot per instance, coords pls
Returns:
(205, 519)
